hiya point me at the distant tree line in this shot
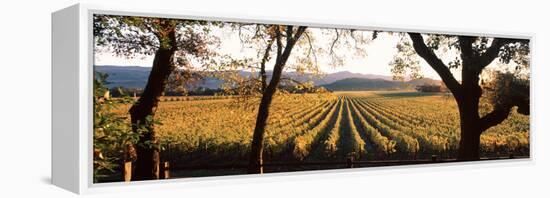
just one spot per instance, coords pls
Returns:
(202, 91)
(430, 88)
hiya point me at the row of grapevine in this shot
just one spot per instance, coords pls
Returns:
(277, 139)
(290, 118)
(303, 143)
(422, 114)
(331, 143)
(404, 143)
(356, 141)
(435, 124)
(382, 143)
(429, 142)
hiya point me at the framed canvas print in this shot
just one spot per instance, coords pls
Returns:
(147, 97)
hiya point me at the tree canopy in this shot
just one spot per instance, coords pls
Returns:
(471, 58)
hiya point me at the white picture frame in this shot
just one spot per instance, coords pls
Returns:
(72, 74)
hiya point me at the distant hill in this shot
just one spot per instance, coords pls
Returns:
(125, 76)
(333, 77)
(365, 84)
(136, 77)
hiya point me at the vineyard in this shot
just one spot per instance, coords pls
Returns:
(326, 127)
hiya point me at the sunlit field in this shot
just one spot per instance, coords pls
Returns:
(377, 125)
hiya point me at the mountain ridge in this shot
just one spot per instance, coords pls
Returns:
(135, 77)
(366, 84)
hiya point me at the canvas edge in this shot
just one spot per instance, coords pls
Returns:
(312, 22)
(65, 86)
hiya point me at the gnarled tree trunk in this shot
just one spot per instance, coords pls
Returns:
(257, 148)
(256, 155)
(148, 156)
(468, 106)
(470, 129)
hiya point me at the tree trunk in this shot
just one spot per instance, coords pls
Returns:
(255, 164)
(256, 155)
(257, 148)
(468, 106)
(148, 156)
(470, 131)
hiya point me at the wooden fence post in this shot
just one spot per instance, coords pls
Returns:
(127, 171)
(434, 158)
(261, 165)
(166, 170)
(350, 161)
(129, 157)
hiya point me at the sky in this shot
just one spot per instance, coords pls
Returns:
(380, 53)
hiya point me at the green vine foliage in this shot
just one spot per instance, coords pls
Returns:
(111, 131)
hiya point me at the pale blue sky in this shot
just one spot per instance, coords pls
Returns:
(380, 52)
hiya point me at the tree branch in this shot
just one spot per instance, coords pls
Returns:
(492, 52)
(501, 112)
(299, 32)
(152, 30)
(289, 36)
(279, 43)
(423, 51)
(283, 57)
(334, 41)
(265, 58)
(290, 41)
(465, 43)
(311, 50)
(495, 117)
